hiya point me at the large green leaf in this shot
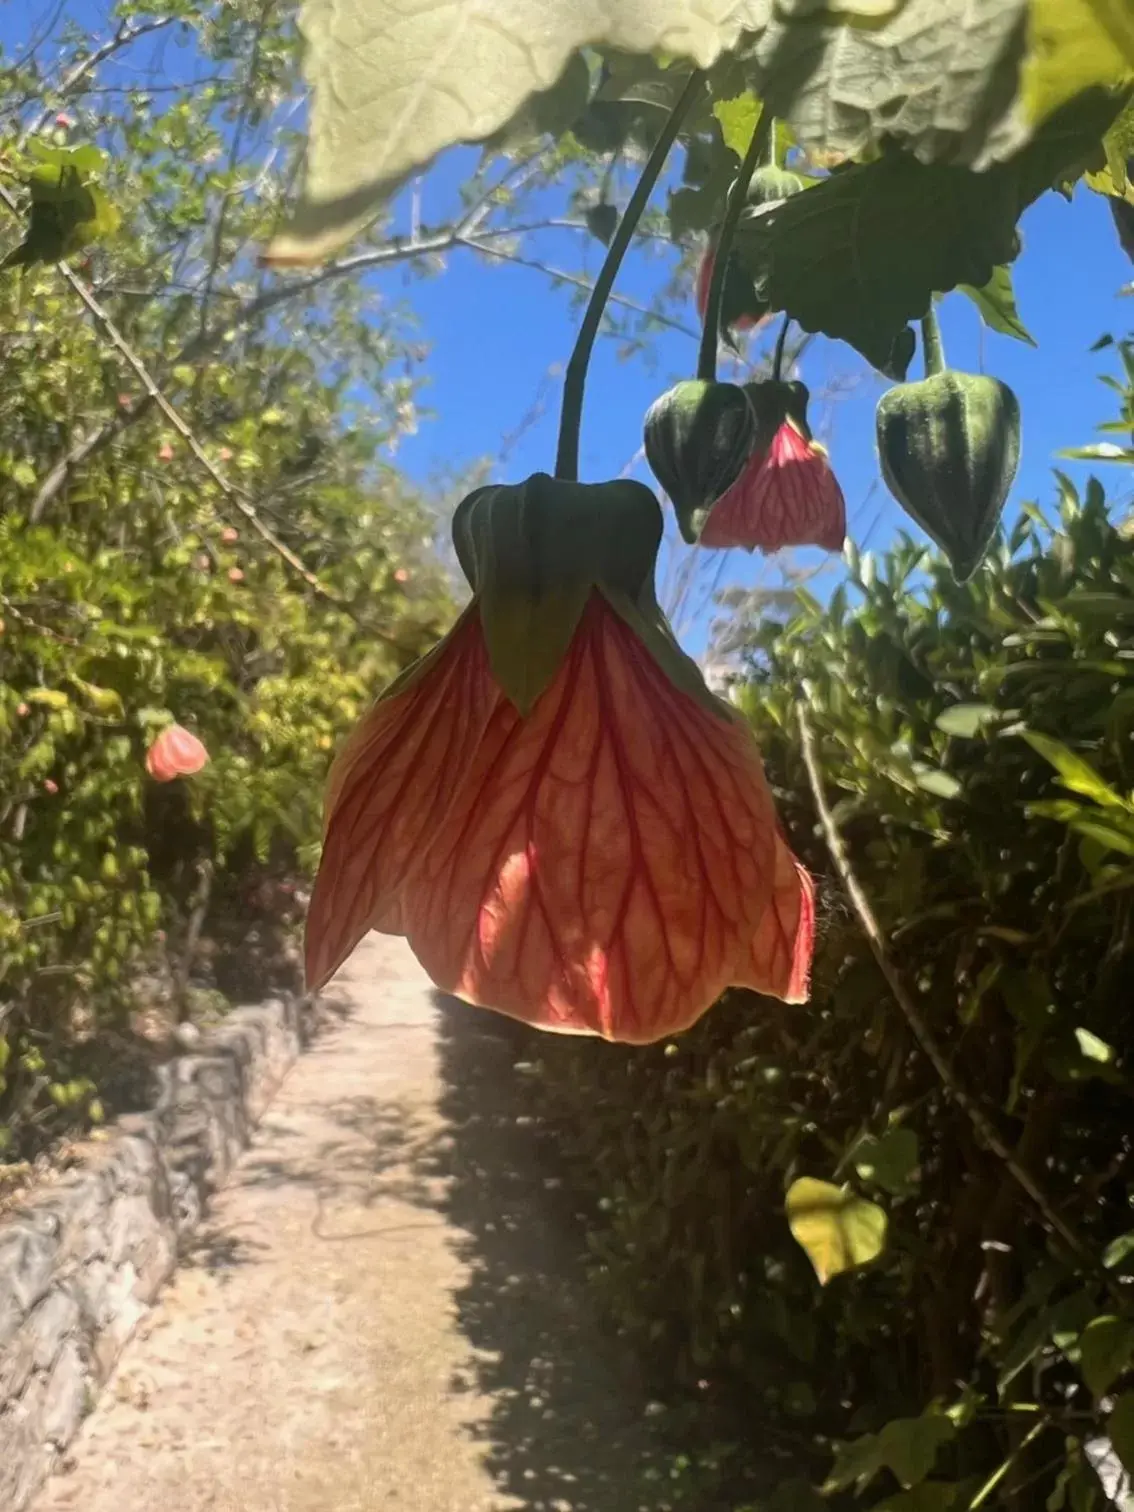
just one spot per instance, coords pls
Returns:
(397, 81)
(836, 1228)
(860, 255)
(937, 78)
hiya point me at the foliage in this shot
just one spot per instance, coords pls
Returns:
(142, 591)
(975, 743)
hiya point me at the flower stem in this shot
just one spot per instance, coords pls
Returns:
(931, 348)
(567, 456)
(710, 335)
(778, 354)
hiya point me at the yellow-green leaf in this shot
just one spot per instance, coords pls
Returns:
(1070, 48)
(1074, 772)
(837, 1229)
(1116, 18)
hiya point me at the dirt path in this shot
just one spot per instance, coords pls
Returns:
(381, 1313)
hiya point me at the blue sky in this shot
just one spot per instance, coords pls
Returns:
(495, 332)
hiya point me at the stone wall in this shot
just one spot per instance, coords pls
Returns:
(81, 1262)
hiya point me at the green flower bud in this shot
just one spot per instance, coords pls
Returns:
(949, 448)
(698, 437)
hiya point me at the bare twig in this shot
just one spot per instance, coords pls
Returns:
(399, 250)
(558, 275)
(235, 145)
(983, 1126)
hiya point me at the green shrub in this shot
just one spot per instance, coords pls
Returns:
(976, 746)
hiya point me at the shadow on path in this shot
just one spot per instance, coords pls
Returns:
(570, 1428)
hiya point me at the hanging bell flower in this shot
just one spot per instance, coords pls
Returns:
(176, 752)
(563, 821)
(698, 436)
(742, 309)
(787, 494)
(949, 447)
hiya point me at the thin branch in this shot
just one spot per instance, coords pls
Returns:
(236, 496)
(123, 37)
(577, 282)
(235, 145)
(399, 250)
(983, 1126)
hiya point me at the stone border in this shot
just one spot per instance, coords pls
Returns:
(82, 1260)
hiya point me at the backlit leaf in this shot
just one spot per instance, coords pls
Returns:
(395, 82)
(996, 301)
(1074, 772)
(1070, 49)
(936, 78)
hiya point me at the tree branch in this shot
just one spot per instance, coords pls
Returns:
(558, 274)
(123, 37)
(983, 1126)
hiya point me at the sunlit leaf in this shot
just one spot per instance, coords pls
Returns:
(396, 83)
(836, 1228)
(967, 720)
(1074, 772)
(1070, 49)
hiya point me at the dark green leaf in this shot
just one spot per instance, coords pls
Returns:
(1120, 1429)
(602, 221)
(1105, 1352)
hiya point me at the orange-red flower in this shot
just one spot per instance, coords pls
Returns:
(175, 753)
(786, 495)
(733, 318)
(605, 863)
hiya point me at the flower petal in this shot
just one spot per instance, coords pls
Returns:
(612, 861)
(390, 788)
(176, 752)
(788, 496)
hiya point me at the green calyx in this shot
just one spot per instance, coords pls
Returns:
(772, 403)
(534, 552)
(698, 436)
(770, 184)
(949, 447)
